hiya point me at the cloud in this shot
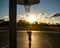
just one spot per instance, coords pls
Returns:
(6, 18)
(41, 17)
(56, 15)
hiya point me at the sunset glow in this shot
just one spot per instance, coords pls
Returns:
(31, 19)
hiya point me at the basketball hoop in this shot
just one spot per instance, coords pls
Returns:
(27, 3)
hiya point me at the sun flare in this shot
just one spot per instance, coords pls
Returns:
(31, 19)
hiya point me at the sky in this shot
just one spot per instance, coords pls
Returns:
(45, 6)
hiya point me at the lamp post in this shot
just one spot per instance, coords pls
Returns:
(29, 33)
(27, 3)
(12, 18)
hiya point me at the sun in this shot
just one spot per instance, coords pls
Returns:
(31, 19)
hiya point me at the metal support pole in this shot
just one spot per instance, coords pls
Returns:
(12, 21)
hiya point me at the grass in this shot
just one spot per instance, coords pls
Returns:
(35, 27)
